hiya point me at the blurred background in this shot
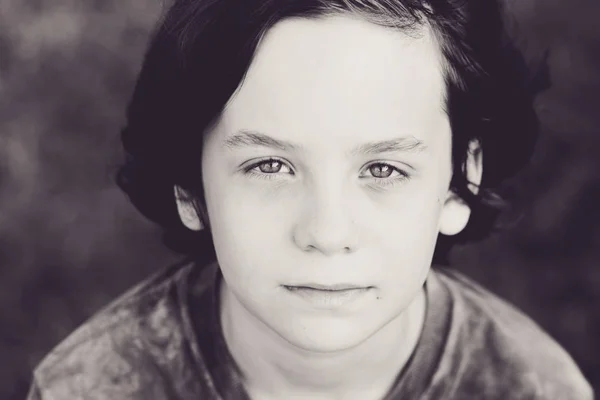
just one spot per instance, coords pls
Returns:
(70, 241)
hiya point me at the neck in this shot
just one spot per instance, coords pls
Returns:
(274, 368)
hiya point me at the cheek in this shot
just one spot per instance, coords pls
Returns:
(250, 212)
(404, 239)
(409, 217)
(248, 230)
(405, 250)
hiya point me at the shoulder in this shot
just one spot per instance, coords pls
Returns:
(500, 351)
(129, 349)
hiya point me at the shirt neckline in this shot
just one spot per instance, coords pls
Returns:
(417, 374)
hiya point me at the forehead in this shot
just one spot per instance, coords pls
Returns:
(341, 75)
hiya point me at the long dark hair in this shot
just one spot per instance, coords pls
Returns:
(202, 49)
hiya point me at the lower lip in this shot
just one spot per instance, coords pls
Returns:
(328, 299)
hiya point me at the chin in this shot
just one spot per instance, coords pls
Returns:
(331, 336)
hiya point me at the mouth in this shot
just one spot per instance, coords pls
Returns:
(339, 287)
(328, 297)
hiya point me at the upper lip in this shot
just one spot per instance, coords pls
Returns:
(334, 287)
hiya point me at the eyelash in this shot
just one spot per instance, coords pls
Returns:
(402, 175)
(250, 170)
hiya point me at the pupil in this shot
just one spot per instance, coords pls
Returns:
(270, 167)
(381, 171)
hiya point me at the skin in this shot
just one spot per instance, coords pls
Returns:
(339, 175)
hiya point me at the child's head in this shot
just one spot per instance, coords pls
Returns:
(325, 142)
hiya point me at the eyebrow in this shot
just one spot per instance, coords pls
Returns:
(405, 144)
(247, 138)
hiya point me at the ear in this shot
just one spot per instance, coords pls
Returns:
(456, 213)
(187, 212)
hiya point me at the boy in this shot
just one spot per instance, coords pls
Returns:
(305, 155)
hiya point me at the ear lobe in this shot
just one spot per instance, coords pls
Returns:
(455, 215)
(187, 212)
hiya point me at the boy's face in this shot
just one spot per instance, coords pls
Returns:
(330, 166)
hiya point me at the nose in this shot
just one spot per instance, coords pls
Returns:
(326, 226)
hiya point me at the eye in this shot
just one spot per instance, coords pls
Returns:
(384, 171)
(381, 170)
(384, 174)
(269, 166)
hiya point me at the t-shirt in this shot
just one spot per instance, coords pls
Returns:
(163, 340)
